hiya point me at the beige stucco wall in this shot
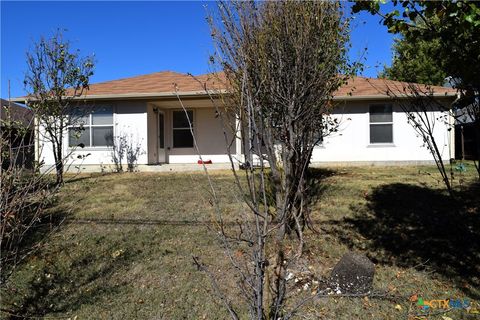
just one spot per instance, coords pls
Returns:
(208, 131)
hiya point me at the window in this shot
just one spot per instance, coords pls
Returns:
(381, 124)
(94, 129)
(182, 136)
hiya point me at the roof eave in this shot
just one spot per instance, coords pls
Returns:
(197, 94)
(387, 97)
(137, 96)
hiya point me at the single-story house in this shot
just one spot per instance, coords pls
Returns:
(146, 110)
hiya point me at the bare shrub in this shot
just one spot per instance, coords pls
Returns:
(133, 151)
(118, 152)
(128, 148)
(24, 195)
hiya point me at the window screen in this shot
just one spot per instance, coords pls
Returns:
(381, 124)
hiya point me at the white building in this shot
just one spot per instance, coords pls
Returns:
(146, 110)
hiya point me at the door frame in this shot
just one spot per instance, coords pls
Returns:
(162, 156)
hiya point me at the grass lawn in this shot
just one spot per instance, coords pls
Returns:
(124, 250)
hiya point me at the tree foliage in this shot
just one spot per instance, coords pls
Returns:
(414, 61)
(452, 31)
(454, 25)
(283, 61)
(56, 75)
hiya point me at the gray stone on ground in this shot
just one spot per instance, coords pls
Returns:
(353, 274)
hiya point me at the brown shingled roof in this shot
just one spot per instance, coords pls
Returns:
(361, 86)
(158, 82)
(164, 83)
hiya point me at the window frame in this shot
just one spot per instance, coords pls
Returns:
(90, 126)
(370, 123)
(192, 120)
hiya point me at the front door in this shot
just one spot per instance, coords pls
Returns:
(161, 137)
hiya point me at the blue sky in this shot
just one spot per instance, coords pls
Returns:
(132, 38)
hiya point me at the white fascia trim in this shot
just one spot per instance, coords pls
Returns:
(194, 94)
(150, 95)
(153, 95)
(386, 97)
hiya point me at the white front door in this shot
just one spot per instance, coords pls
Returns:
(161, 137)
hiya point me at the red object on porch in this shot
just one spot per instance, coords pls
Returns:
(204, 162)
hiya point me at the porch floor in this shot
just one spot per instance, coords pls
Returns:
(180, 167)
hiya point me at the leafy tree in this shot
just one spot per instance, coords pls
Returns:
(414, 61)
(55, 76)
(452, 25)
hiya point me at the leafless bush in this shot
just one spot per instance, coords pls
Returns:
(126, 147)
(24, 194)
(118, 151)
(133, 151)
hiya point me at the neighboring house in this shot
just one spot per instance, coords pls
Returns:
(146, 110)
(466, 138)
(16, 128)
(466, 134)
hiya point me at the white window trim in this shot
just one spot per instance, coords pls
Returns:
(193, 120)
(380, 144)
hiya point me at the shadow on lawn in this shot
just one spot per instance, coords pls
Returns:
(81, 176)
(408, 225)
(62, 287)
(36, 234)
(59, 278)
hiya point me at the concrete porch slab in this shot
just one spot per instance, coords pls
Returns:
(180, 167)
(168, 167)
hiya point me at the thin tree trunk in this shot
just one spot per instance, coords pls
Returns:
(276, 311)
(441, 166)
(59, 163)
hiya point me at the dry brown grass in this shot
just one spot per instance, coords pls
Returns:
(125, 250)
